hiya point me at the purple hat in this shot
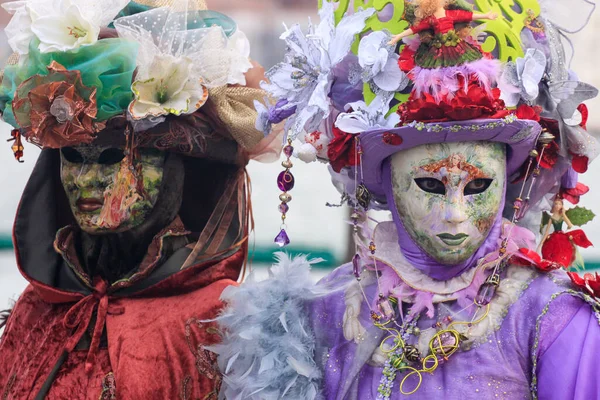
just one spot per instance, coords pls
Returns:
(360, 87)
(520, 136)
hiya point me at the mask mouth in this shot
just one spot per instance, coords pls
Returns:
(89, 205)
(453, 240)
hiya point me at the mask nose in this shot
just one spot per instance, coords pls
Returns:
(87, 176)
(455, 212)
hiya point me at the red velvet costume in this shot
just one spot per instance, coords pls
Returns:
(151, 345)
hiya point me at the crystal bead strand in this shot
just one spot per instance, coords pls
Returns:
(285, 183)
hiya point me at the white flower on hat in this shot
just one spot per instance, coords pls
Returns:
(168, 91)
(362, 117)
(180, 58)
(379, 63)
(305, 78)
(59, 25)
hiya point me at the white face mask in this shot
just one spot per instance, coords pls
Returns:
(448, 196)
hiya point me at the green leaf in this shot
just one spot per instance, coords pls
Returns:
(580, 216)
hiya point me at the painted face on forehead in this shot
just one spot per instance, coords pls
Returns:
(108, 193)
(449, 195)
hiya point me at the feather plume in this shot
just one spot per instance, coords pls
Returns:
(444, 82)
(268, 347)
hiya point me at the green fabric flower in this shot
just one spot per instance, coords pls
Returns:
(108, 66)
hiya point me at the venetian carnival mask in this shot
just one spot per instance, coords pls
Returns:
(107, 191)
(448, 196)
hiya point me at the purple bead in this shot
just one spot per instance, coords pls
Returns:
(282, 239)
(486, 294)
(288, 151)
(284, 208)
(356, 265)
(285, 181)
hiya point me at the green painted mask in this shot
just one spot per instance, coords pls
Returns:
(108, 193)
(449, 195)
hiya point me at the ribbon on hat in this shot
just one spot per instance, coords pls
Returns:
(233, 106)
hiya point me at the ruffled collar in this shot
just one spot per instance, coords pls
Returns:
(410, 285)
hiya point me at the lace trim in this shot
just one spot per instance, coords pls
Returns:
(595, 304)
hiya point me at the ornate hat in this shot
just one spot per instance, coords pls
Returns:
(137, 67)
(364, 84)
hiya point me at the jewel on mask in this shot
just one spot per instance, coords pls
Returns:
(392, 139)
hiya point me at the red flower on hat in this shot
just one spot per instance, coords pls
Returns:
(560, 246)
(580, 163)
(342, 150)
(56, 110)
(406, 62)
(475, 103)
(589, 282)
(527, 112)
(584, 115)
(573, 195)
(550, 157)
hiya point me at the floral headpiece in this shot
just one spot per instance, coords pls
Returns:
(171, 72)
(367, 83)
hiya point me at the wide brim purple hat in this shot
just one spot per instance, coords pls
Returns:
(520, 136)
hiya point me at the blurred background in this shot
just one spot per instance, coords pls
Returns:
(312, 226)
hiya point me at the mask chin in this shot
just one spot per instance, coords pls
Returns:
(447, 201)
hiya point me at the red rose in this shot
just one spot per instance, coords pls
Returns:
(342, 150)
(573, 195)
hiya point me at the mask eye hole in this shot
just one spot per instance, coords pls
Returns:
(478, 186)
(431, 185)
(111, 156)
(72, 155)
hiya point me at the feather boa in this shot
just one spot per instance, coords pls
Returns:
(268, 346)
(443, 82)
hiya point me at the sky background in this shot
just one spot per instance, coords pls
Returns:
(312, 225)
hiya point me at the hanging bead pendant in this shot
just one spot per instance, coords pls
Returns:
(285, 183)
(282, 239)
(356, 261)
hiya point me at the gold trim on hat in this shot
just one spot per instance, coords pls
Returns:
(193, 4)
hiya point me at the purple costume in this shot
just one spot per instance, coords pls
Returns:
(405, 319)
